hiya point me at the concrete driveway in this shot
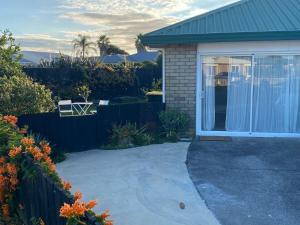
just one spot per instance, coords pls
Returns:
(140, 186)
(249, 181)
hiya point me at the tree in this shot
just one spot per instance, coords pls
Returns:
(84, 92)
(103, 44)
(113, 49)
(20, 95)
(138, 44)
(9, 55)
(83, 45)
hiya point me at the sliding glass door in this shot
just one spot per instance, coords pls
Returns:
(276, 95)
(251, 94)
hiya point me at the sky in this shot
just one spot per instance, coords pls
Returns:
(51, 25)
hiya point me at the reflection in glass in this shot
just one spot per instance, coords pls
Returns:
(227, 93)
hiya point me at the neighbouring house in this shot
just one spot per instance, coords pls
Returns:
(140, 57)
(113, 59)
(33, 58)
(236, 69)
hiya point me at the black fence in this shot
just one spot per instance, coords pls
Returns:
(87, 132)
(40, 198)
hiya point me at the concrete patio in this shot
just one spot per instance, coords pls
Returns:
(140, 186)
(249, 181)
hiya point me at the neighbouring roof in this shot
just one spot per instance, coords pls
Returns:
(245, 20)
(113, 59)
(34, 58)
(143, 56)
(138, 57)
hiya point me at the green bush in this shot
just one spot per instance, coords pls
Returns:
(173, 122)
(129, 135)
(20, 95)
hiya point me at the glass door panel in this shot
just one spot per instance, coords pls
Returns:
(226, 95)
(276, 94)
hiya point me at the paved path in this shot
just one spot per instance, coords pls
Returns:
(249, 181)
(141, 186)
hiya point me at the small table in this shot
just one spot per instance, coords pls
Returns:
(82, 108)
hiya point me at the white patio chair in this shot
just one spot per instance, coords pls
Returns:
(65, 106)
(101, 103)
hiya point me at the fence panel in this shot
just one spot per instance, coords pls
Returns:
(41, 198)
(72, 134)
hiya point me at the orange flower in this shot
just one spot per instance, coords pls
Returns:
(109, 222)
(67, 185)
(15, 151)
(27, 141)
(77, 195)
(52, 168)
(46, 148)
(2, 160)
(11, 169)
(13, 182)
(5, 210)
(11, 119)
(104, 215)
(79, 208)
(66, 211)
(91, 204)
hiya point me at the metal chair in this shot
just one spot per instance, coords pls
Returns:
(65, 106)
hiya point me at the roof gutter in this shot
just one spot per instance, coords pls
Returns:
(160, 40)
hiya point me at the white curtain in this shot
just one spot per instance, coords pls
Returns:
(276, 94)
(238, 95)
(209, 100)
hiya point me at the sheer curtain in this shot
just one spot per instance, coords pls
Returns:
(238, 95)
(276, 94)
(209, 98)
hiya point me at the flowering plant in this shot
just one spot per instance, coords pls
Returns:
(14, 145)
(74, 212)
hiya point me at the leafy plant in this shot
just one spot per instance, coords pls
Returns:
(84, 92)
(156, 85)
(129, 135)
(19, 95)
(9, 55)
(173, 122)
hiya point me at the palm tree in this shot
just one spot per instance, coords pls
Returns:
(103, 43)
(138, 44)
(83, 45)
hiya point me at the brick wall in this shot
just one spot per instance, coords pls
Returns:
(180, 73)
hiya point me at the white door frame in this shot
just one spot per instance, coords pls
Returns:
(251, 49)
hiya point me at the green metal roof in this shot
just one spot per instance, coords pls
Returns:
(246, 20)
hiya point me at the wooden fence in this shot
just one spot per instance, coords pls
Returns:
(87, 132)
(41, 198)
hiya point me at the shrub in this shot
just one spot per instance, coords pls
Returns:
(9, 55)
(173, 122)
(84, 92)
(128, 135)
(20, 95)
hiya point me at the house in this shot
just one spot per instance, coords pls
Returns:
(236, 69)
(113, 59)
(33, 58)
(140, 57)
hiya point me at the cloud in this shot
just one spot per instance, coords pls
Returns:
(43, 42)
(120, 20)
